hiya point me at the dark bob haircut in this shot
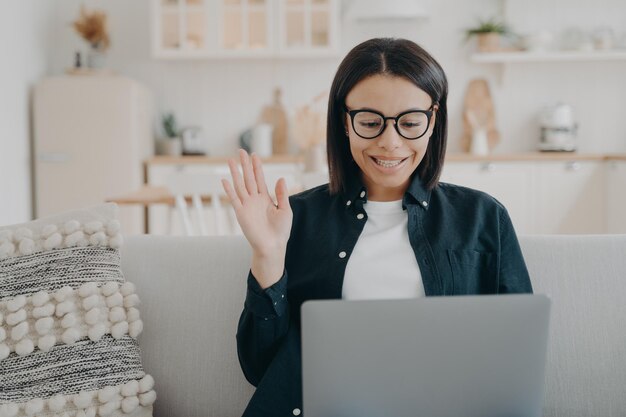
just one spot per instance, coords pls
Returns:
(394, 57)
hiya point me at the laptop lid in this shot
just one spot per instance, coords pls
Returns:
(463, 356)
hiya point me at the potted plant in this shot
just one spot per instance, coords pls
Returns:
(172, 144)
(488, 34)
(92, 27)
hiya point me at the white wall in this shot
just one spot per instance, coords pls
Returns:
(24, 37)
(225, 96)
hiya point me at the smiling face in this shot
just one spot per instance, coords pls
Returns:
(387, 161)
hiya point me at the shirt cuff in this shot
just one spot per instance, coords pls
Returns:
(269, 303)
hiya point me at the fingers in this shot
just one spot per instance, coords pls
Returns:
(253, 182)
(248, 172)
(259, 175)
(230, 192)
(240, 188)
(282, 196)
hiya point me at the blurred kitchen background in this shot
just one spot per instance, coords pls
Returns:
(141, 102)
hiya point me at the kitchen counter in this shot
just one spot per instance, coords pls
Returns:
(533, 156)
(450, 157)
(192, 159)
(589, 186)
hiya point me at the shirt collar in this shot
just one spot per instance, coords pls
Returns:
(415, 194)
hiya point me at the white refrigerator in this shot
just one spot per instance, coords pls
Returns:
(91, 136)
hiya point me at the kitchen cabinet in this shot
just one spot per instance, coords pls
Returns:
(187, 29)
(212, 28)
(570, 197)
(545, 196)
(308, 27)
(616, 196)
(180, 26)
(511, 183)
(245, 26)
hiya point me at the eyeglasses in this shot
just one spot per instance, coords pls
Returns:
(411, 124)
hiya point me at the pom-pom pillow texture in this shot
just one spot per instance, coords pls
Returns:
(69, 321)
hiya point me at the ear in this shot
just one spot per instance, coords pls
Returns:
(433, 120)
(346, 124)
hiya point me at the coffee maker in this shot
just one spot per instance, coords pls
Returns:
(558, 129)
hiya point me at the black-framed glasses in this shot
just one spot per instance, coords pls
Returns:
(411, 124)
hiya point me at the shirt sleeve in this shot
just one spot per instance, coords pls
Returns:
(269, 303)
(263, 325)
(513, 274)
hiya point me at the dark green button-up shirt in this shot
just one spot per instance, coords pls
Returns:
(463, 240)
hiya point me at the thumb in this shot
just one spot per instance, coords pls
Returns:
(281, 194)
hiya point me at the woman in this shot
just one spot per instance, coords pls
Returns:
(384, 210)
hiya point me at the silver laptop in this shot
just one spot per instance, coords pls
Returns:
(464, 356)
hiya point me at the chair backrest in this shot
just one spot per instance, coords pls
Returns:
(193, 289)
(219, 217)
(199, 219)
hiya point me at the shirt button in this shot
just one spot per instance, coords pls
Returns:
(348, 202)
(362, 194)
(282, 296)
(296, 411)
(425, 203)
(360, 216)
(342, 254)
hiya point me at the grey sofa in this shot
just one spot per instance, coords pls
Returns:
(192, 291)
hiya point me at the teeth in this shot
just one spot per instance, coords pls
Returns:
(388, 164)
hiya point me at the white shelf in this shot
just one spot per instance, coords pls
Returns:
(199, 54)
(171, 9)
(249, 7)
(176, 54)
(174, 8)
(195, 8)
(550, 56)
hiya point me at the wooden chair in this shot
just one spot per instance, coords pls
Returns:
(201, 205)
(199, 197)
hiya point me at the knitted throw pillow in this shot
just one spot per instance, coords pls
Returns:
(69, 321)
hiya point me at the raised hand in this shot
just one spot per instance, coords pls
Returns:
(265, 224)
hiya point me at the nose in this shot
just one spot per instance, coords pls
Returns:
(390, 139)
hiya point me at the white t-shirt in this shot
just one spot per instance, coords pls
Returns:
(383, 264)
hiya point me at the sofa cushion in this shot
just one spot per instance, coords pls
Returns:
(68, 320)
